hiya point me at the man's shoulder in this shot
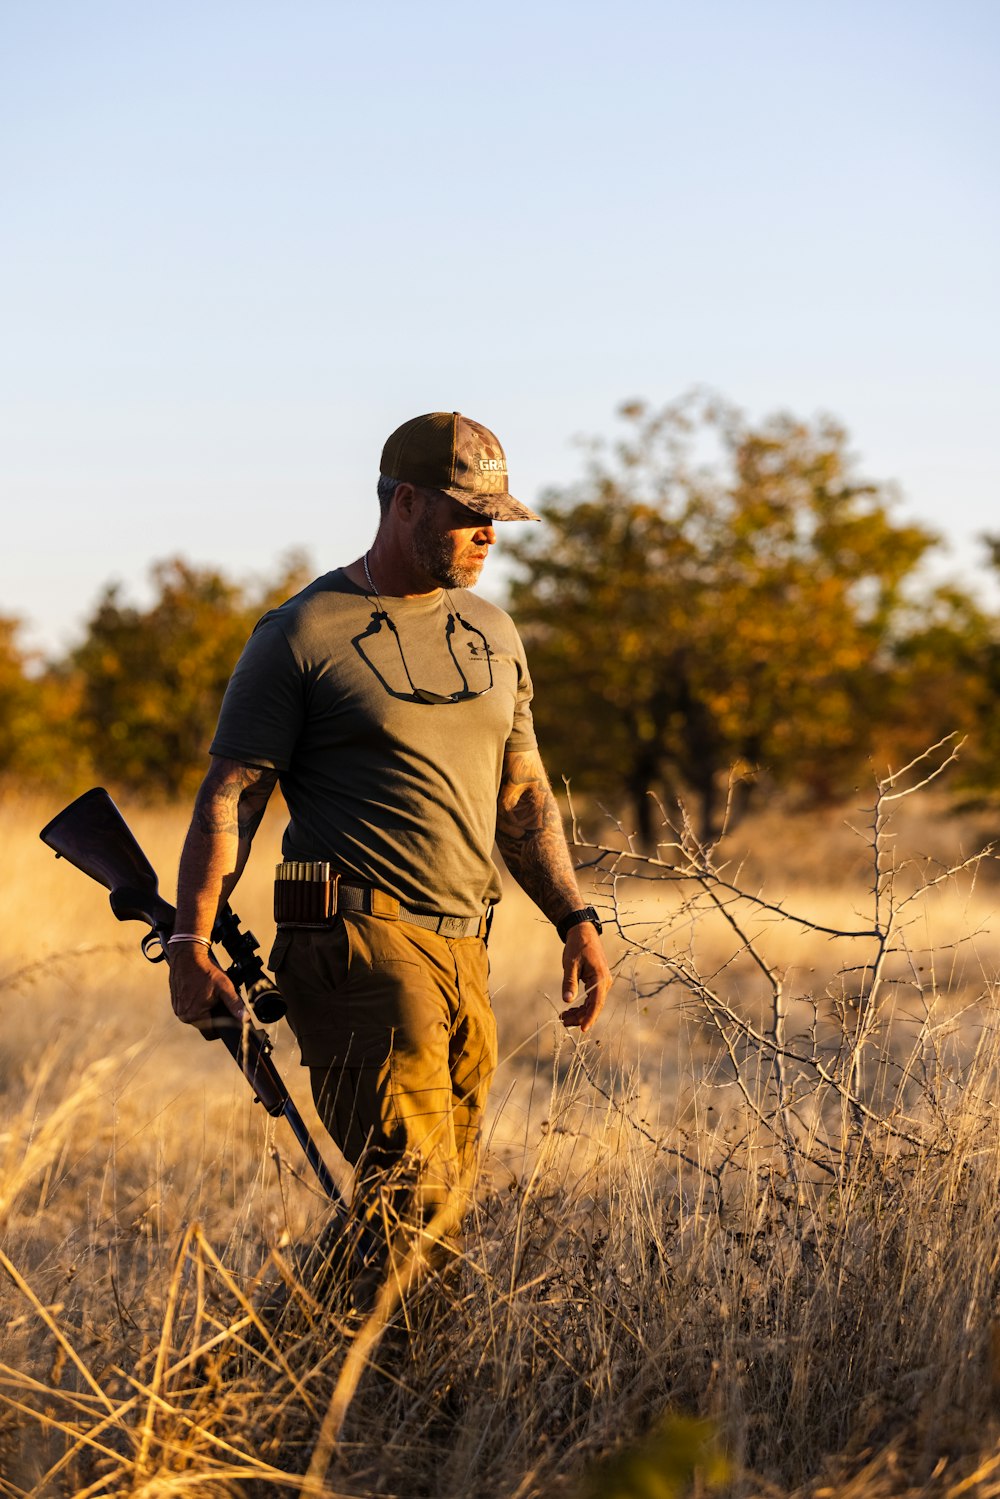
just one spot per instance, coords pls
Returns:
(324, 596)
(482, 610)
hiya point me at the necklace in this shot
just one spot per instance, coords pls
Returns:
(371, 585)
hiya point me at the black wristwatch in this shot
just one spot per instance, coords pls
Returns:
(566, 923)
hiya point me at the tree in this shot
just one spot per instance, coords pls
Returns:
(713, 593)
(38, 705)
(154, 678)
(946, 679)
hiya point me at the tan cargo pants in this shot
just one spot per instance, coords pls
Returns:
(396, 1028)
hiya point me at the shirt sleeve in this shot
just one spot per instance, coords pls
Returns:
(522, 733)
(264, 705)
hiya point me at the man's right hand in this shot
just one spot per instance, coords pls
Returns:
(198, 984)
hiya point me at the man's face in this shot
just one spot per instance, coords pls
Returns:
(450, 542)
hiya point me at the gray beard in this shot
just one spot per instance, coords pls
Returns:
(433, 552)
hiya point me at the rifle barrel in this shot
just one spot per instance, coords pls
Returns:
(310, 1151)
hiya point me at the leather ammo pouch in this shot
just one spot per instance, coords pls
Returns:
(305, 893)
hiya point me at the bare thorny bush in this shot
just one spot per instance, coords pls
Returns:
(867, 1072)
(798, 1243)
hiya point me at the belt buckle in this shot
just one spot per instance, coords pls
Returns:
(452, 926)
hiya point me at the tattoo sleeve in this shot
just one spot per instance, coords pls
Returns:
(530, 836)
(227, 814)
(232, 799)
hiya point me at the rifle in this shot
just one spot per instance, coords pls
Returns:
(93, 835)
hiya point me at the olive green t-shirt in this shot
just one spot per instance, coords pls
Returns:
(337, 691)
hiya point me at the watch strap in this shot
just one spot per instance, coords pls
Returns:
(566, 923)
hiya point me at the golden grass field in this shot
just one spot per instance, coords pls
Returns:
(744, 1237)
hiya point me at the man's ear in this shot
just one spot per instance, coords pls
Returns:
(407, 500)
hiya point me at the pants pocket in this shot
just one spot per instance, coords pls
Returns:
(312, 968)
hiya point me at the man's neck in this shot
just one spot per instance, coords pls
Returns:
(390, 576)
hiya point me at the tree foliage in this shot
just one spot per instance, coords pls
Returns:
(153, 677)
(946, 679)
(712, 593)
(38, 708)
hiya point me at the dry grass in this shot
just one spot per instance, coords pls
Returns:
(668, 1223)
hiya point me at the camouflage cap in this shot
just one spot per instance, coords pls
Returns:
(448, 451)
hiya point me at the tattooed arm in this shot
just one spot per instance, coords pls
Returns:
(227, 813)
(531, 839)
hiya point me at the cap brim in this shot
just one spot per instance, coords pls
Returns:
(496, 506)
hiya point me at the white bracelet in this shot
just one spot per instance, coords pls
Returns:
(188, 937)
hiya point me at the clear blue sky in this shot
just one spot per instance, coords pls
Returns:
(241, 241)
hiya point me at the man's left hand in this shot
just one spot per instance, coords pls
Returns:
(584, 963)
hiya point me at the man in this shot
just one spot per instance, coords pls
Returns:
(393, 707)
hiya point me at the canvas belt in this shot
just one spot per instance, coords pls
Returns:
(378, 903)
(309, 894)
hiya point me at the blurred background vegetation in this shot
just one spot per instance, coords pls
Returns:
(709, 594)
